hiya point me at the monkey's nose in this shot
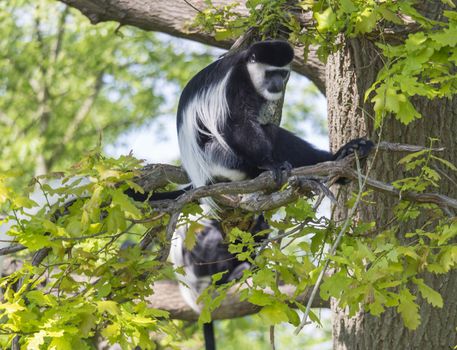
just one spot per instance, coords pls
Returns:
(276, 85)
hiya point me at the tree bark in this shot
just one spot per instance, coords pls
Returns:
(351, 71)
(174, 17)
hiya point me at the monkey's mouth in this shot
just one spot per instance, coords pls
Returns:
(275, 86)
(274, 90)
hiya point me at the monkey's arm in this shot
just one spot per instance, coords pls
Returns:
(270, 146)
(290, 148)
(274, 148)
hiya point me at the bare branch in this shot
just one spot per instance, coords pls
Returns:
(12, 249)
(398, 147)
(229, 193)
(435, 198)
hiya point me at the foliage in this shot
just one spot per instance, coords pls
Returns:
(93, 283)
(89, 285)
(67, 86)
(421, 64)
(376, 270)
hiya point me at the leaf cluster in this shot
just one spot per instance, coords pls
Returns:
(95, 279)
(422, 63)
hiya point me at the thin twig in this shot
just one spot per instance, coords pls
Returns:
(333, 249)
(193, 6)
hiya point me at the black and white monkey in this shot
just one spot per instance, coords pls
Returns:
(220, 133)
(222, 138)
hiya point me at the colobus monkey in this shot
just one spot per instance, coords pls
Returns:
(221, 138)
(219, 132)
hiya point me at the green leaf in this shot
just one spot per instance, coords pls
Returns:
(347, 6)
(376, 308)
(260, 298)
(408, 309)
(325, 20)
(412, 156)
(60, 343)
(275, 313)
(109, 306)
(39, 298)
(334, 285)
(222, 34)
(366, 21)
(429, 294)
(103, 288)
(446, 38)
(445, 162)
(218, 276)
(406, 112)
(193, 229)
(11, 307)
(112, 331)
(205, 316)
(450, 3)
(36, 340)
(142, 321)
(389, 15)
(125, 203)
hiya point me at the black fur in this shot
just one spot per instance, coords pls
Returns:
(210, 255)
(275, 53)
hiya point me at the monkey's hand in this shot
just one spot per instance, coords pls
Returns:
(360, 146)
(281, 171)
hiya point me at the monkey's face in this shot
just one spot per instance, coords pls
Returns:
(268, 65)
(269, 81)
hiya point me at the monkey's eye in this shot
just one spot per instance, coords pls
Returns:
(252, 58)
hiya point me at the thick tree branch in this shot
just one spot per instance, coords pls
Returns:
(260, 193)
(300, 181)
(174, 17)
(167, 297)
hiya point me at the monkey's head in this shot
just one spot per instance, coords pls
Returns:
(268, 64)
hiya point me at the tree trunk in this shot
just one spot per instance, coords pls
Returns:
(350, 72)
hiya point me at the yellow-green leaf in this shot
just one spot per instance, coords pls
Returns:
(273, 314)
(408, 309)
(429, 294)
(108, 306)
(325, 20)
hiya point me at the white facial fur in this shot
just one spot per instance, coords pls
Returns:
(257, 74)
